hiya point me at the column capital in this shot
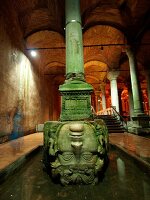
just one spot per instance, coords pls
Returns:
(130, 51)
(112, 75)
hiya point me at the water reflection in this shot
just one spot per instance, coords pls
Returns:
(146, 189)
(121, 169)
(123, 181)
(139, 146)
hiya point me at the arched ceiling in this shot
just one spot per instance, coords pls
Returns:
(95, 73)
(36, 15)
(47, 50)
(107, 26)
(105, 40)
(45, 39)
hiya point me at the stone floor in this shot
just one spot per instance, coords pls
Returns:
(135, 145)
(11, 151)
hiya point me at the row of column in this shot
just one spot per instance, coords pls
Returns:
(135, 97)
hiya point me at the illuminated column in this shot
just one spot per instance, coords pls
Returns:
(112, 76)
(148, 88)
(102, 87)
(140, 121)
(97, 99)
(135, 84)
(131, 107)
(74, 46)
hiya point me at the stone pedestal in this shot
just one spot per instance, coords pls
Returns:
(139, 125)
(76, 100)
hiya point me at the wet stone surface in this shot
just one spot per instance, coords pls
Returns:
(123, 180)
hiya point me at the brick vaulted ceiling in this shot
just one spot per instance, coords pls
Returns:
(108, 25)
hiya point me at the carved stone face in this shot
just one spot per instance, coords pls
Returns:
(77, 151)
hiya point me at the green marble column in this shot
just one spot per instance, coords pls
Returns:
(74, 46)
(135, 84)
(76, 93)
(140, 121)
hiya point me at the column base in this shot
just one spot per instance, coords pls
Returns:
(139, 125)
(139, 131)
(76, 100)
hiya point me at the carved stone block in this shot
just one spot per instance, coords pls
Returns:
(75, 152)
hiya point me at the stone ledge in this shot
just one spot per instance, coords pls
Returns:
(139, 131)
(6, 138)
(17, 164)
(142, 164)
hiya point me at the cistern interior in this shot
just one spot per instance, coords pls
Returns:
(42, 69)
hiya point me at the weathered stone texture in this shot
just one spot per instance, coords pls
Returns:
(19, 88)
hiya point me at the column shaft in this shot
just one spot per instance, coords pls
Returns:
(135, 84)
(76, 93)
(96, 102)
(148, 88)
(131, 107)
(74, 46)
(114, 94)
(102, 87)
(112, 76)
(103, 101)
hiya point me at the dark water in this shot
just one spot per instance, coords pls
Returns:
(123, 181)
